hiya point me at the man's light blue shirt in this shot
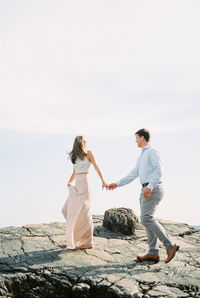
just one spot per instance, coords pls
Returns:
(148, 168)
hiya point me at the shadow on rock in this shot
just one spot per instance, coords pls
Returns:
(30, 258)
(101, 231)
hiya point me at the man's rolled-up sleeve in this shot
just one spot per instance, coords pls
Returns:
(157, 168)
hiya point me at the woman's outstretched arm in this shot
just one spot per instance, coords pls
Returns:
(91, 158)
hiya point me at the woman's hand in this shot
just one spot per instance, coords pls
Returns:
(71, 179)
(104, 184)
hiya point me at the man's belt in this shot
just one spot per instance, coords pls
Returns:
(145, 184)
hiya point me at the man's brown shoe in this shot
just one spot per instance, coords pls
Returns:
(171, 253)
(148, 257)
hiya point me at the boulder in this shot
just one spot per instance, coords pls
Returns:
(121, 220)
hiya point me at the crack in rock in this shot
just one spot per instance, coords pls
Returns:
(89, 254)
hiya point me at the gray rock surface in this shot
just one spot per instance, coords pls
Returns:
(121, 220)
(35, 263)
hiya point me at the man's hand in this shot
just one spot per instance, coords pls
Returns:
(112, 186)
(147, 193)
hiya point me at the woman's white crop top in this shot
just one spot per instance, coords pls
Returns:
(81, 166)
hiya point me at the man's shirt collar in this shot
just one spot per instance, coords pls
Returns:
(146, 147)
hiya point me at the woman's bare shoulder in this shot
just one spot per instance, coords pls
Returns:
(89, 154)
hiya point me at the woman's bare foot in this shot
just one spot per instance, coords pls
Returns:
(85, 247)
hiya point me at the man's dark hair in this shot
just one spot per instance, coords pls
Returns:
(145, 133)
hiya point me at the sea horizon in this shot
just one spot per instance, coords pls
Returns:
(196, 227)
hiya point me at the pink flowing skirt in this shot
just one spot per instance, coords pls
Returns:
(77, 212)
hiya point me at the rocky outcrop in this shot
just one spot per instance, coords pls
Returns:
(121, 220)
(34, 262)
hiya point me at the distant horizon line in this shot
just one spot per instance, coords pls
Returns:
(93, 215)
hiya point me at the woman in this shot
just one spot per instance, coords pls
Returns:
(77, 208)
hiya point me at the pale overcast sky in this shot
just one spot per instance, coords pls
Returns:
(102, 69)
(104, 66)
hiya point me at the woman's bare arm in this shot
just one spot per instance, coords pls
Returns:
(92, 159)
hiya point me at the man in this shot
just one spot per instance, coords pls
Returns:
(148, 168)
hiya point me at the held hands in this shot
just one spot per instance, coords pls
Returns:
(110, 186)
(147, 193)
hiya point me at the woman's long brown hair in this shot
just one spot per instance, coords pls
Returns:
(77, 150)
